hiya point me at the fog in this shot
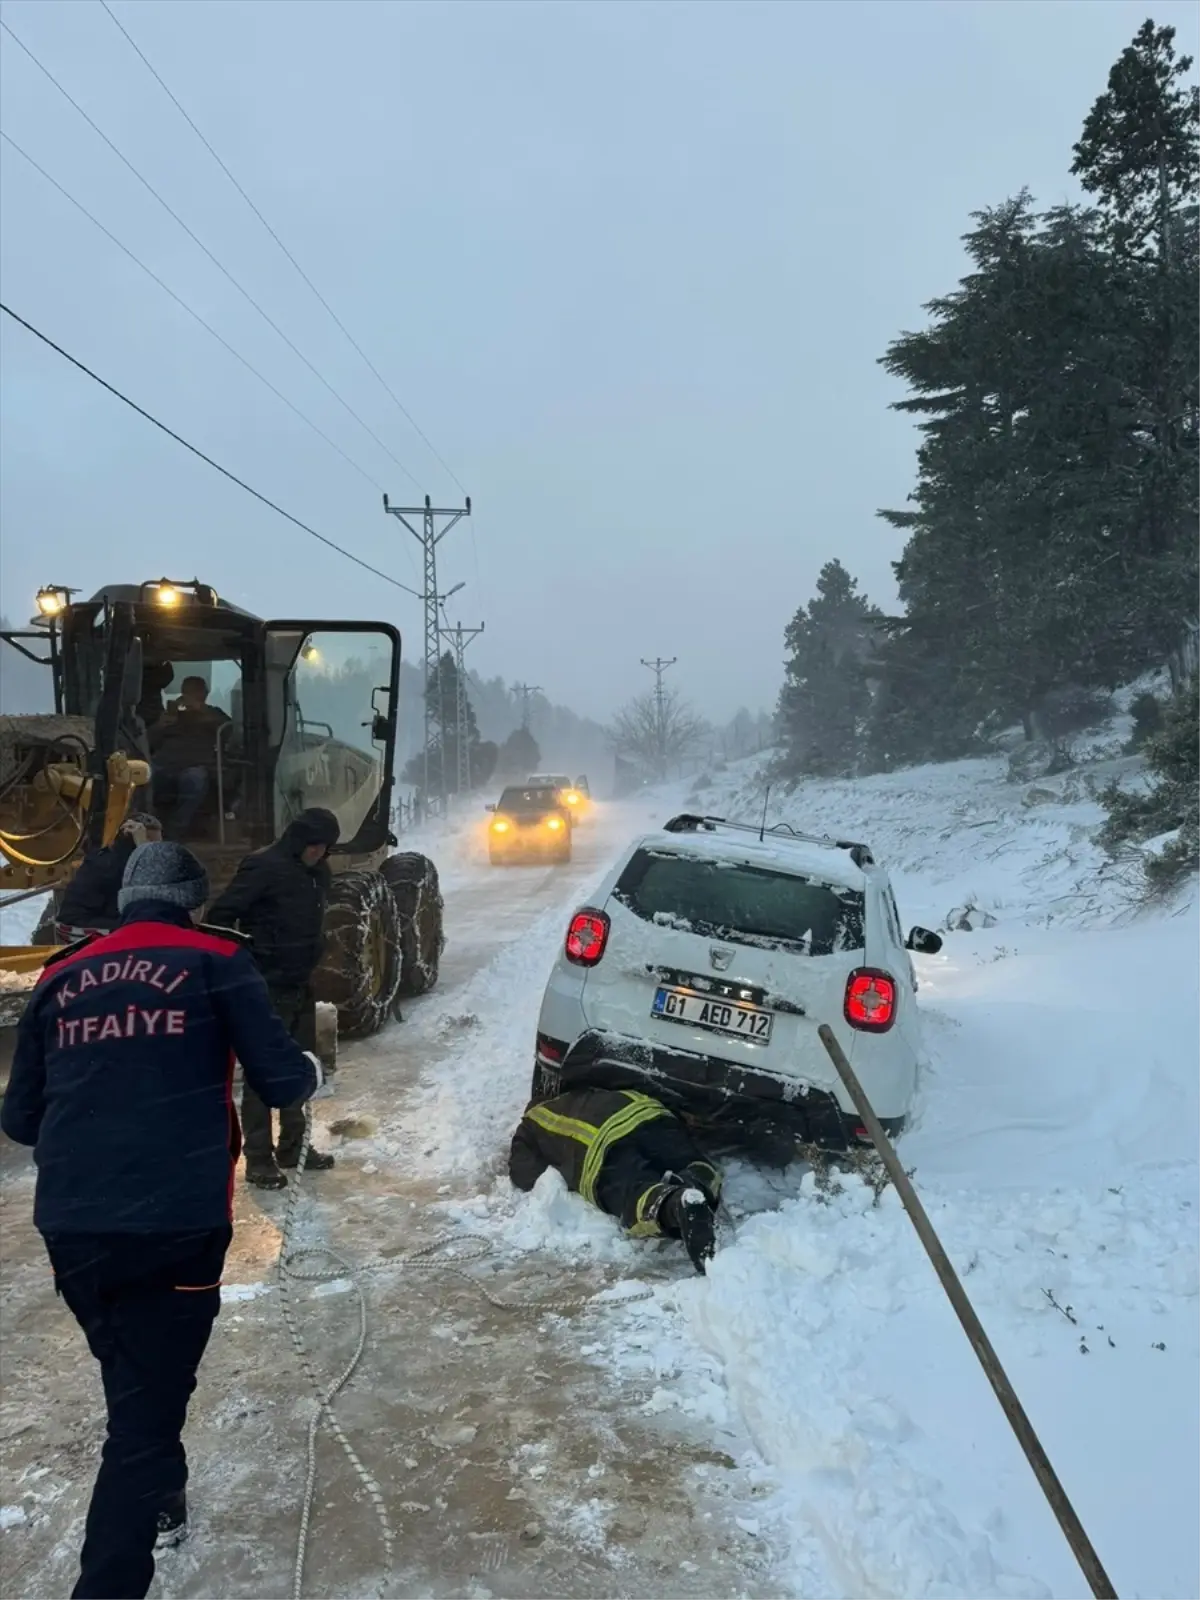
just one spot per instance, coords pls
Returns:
(630, 268)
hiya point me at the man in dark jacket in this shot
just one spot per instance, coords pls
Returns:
(183, 748)
(277, 899)
(121, 1082)
(629, 1156)
(89, 902)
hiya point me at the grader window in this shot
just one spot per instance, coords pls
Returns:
(328, 755)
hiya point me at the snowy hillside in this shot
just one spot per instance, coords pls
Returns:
(1055, 1148)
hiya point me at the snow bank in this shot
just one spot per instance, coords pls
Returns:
(1055, 1149)
(469, 1103)
(961, 833)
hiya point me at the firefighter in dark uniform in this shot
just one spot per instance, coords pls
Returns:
(89, 902)
(121, 1081)
(277, 899)
(628, 1155)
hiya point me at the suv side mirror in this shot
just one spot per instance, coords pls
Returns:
(923, 941)
(489, 808)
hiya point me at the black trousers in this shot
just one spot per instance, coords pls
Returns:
(298, 1012)
(631, 1181)
(147, 1304)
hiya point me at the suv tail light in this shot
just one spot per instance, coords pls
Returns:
(870, 1003)
(586, 937)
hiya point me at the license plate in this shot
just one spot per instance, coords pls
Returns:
(719, 1016)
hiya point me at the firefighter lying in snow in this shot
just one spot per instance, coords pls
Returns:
(625, 1153)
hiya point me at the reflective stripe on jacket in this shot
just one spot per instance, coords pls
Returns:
(575, 1132)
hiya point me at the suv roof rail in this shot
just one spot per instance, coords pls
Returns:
(689, 822)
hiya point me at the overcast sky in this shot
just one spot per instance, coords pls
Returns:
(629, 265)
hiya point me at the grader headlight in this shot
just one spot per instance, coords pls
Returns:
(52, 601)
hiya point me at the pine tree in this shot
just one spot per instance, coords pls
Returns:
(441, 695)
(519, 754)
(1139, 156)
(825, 700)
(1025, 569)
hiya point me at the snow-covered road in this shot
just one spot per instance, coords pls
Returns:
(808, 1419)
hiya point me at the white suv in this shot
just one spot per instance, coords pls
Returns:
(708, 959)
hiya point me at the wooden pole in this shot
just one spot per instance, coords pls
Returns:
(1081, 1546)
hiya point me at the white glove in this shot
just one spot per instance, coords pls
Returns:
(318, 1069)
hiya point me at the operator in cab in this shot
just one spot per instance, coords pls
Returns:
(183, 750)
(277, 899)
(121, 1082)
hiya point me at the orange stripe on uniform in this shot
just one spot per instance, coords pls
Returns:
(197, 1288)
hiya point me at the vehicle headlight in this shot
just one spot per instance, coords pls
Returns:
(500, 825)
(572, 798)
(554, 822)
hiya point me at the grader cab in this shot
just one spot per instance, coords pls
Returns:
(171, 700)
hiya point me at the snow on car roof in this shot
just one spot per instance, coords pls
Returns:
(775, 851)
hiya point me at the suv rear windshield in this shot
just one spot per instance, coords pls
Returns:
(528, 800)
(746, 905)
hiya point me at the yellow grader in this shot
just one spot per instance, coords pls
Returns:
(299, 714)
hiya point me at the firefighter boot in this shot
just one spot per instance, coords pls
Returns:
(315, 1161)
(262, 1172)
(292, 1129)
(688, 1213)
(172, 1526)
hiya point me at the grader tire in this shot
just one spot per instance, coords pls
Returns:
(360, 970)
(413, 880)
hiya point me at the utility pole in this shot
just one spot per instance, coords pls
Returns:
(460, 638)
(526, 691)
(429, 537)
(659, 666)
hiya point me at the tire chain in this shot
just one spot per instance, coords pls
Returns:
(428, 971)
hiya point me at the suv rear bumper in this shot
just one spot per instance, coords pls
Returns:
(716, 1096)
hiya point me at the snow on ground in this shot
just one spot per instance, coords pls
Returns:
(1054, 1146)
(18, 921)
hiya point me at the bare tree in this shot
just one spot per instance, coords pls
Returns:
(656, 731)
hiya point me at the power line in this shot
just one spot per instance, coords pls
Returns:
(658, 666)
(208, 460)
(459, 638)
(174, 99)
(527, 692)
(429, 538)
(245, 293)
(208, 328)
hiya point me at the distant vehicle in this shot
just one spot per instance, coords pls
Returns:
(575, 796)
(584, 793)
(709, 957)
(530, 822)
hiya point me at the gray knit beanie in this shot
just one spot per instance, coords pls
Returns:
(163, 871)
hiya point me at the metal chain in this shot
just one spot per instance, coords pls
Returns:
(467, 1247)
